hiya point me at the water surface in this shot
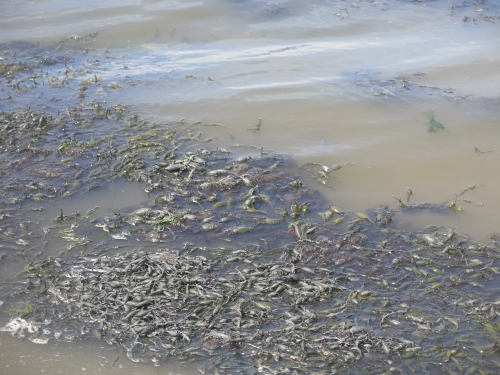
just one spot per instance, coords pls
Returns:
(332, 81)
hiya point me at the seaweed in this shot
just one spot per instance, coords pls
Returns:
(433, 125)
(478, 151)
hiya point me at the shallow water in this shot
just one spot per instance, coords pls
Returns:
(21, 357)
(332, 81)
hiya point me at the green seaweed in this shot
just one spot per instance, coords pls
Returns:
(478, 151)
(433, 125)
(27, 309)
(167, 220)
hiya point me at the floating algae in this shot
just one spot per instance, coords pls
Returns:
(329, 303)
(221, 276)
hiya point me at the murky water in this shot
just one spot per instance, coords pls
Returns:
(20, 358)
(332, 81)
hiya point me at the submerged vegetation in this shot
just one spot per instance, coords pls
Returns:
(231, 262)
(433, 125)
(478, 151)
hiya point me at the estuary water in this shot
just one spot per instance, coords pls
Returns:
(352, 83)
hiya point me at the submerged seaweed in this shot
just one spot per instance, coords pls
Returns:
(433, 125)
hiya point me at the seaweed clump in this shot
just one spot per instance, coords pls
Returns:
(433, 125)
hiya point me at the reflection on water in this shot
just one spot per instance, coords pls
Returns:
(332, 81)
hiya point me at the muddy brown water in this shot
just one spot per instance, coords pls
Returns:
(332, 81)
